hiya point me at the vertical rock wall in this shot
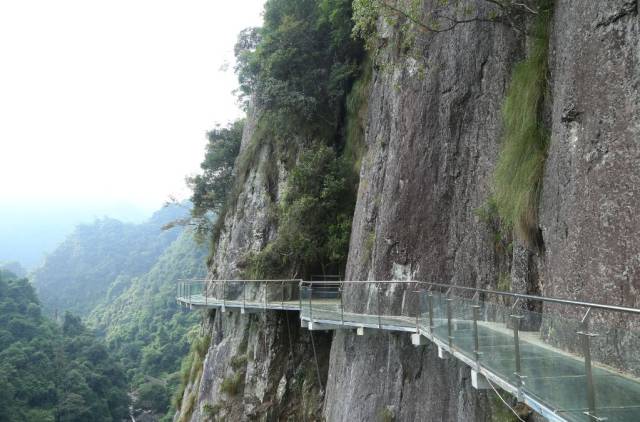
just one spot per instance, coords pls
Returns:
(591, 199)
(258, 366)
(433, 139)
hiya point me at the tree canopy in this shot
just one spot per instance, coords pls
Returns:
(300, 64)
(50, 372)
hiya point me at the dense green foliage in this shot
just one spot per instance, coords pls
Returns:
(127, 275)
(211, 188)
(315, 219)
(145, 327)
(519, 172)
(299, 66)
(52, 373)
(99, 259)
(299, 69)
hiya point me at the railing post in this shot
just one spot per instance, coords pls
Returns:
(266, 291)
(378, 296)
(310, 287)
(430, 310)
(449, 321)
(341, 290)
(244, 294)
(206, 293)
(282, 303)
(586, 350)
(224, 294)
(418, 308)
(516, 343)
(476, 341)
(300, 296)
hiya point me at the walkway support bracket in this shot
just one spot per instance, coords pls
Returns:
(479, 381)
(418, 339)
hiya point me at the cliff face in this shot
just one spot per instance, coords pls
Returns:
(591, 192)
(258, 366)
(432, 143)
(591, 196)
(433, 134)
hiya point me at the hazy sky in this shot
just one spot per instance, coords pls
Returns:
(109, 100)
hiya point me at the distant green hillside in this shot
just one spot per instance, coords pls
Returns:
(145, 327)
(102, 257)
(50, 373)
(121, 278)
(29, 229)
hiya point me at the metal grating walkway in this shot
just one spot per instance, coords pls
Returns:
(565, 369)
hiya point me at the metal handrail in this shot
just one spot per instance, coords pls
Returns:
(208, 280)
(448, 343)
(594, 305)
(475, 290)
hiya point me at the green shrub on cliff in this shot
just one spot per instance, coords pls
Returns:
(297, 69)
(300, 64)
(519, 172)
(314, 219)
(212, 188)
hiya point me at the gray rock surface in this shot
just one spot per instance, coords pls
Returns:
(432, 145)
(272, 358)
(591, 199)
(279, 380)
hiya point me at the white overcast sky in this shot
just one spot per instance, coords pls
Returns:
(109, 100)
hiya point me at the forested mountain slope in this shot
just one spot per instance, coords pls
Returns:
(100, 259)
(51, 372)
(144, 326)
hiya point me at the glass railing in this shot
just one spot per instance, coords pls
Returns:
(188, 291)
(579, 359)
(581, 370)
(272, 294)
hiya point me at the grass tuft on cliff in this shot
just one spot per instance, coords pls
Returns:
(357, 108)
(519, 172)
(191, 371)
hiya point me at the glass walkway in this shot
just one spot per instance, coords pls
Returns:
(567, 369)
